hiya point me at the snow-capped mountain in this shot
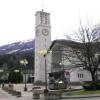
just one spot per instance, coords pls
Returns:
(18, 47)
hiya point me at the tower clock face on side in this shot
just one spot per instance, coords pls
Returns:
(37, 32)
(45, 32)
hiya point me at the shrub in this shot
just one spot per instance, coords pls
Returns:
(15, 77)
(90, 86)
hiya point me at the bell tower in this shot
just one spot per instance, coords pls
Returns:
(42, 42)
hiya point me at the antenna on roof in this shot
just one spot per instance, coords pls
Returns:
(42, 5)
(42, 10)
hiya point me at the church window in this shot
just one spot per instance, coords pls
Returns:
(41, 18)
(80, 75)
(46, 19)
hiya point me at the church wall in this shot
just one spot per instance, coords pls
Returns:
(70, 62)
(80, 75)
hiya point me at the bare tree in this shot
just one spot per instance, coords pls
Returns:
(88, 50)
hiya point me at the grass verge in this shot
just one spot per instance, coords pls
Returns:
(81, 92)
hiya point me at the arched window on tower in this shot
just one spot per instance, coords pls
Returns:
(41, 18)
(46, 19)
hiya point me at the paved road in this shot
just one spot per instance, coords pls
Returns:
(5, 96)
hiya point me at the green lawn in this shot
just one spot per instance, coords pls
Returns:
(81, 92)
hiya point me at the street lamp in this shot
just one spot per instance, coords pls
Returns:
(24, 62)
(16, 71)
(46, 90)
(62, 67)
(44, 53)
(1, 71)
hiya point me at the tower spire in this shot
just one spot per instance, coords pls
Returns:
(42, 5)
(42, 10)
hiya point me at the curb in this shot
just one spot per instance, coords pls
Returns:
(75, 97)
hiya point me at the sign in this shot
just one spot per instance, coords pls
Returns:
(66, 77)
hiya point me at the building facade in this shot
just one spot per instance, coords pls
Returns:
(63, 59)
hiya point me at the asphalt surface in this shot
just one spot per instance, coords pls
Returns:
(5, 96)
(26, 96)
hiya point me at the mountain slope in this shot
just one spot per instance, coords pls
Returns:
(18, 47)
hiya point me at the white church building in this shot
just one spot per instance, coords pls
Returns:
(62, 59)
(56, 61)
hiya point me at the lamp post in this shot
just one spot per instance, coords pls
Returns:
(46, 90)
(44, 53)
(24, 62)
(1, 71)
(62, 66)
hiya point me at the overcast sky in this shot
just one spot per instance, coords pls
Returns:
(17, 20)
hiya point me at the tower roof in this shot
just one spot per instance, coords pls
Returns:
(42, 12)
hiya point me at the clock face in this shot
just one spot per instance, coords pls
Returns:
(37, 32)
(45, 32)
